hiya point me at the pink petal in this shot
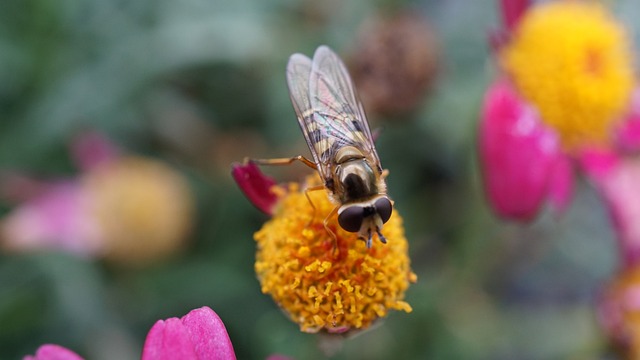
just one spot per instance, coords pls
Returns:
(628, 134)
(58, 218)
(518, 155)
(199, 335)
(168, 339)
(598, 163)
(91, 149)
(256, 186)
(53, 352)
(619, 187)
(208, 334)
(512, 11)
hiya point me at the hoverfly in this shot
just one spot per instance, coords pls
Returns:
(336, 130)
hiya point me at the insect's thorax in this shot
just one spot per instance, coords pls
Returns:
(355, 178)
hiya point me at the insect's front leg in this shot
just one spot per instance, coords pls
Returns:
(313, 207)
(326, 227)
(325, 222)
(283, 161)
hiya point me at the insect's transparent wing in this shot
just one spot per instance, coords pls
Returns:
(298, 72)
(338, 111)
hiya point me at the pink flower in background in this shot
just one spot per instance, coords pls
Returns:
(56, 217)
(560, 94)
(199, 335)
(53, 352)
(518, 156)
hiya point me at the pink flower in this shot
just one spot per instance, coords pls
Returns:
(53, 352)
(199, 335)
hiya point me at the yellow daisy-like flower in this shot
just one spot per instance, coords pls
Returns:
(573, 61)
(326, 286)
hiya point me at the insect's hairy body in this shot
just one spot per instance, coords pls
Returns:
(356, 180)
(352, 178)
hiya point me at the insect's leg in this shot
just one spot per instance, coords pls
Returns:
(306, 193)
(326, 227)
(283, 161)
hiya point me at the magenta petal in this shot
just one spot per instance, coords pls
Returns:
(91, 149)
(628, 135)
(598, 163)
(199, 335)
(208, 335)
(517, 155)
(57, 218)
(619, 187)
(512, 11)
(255, 185)
(168, 339)
(53, 352)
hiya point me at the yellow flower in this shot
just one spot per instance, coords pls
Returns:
(143, 207)
(573, 61)
(322, 288)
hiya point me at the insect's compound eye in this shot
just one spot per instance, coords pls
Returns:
(351, 218)
(384, 208)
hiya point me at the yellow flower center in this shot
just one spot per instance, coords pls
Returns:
(325, 289)
(573, 61)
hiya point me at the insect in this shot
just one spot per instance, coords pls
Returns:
(336, 130)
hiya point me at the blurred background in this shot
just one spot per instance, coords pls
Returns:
(179, 90)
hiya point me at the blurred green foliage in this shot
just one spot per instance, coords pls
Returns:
(200, 84)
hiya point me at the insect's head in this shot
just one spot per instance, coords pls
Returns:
(366, 218)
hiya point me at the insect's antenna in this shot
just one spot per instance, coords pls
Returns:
(380, 236)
